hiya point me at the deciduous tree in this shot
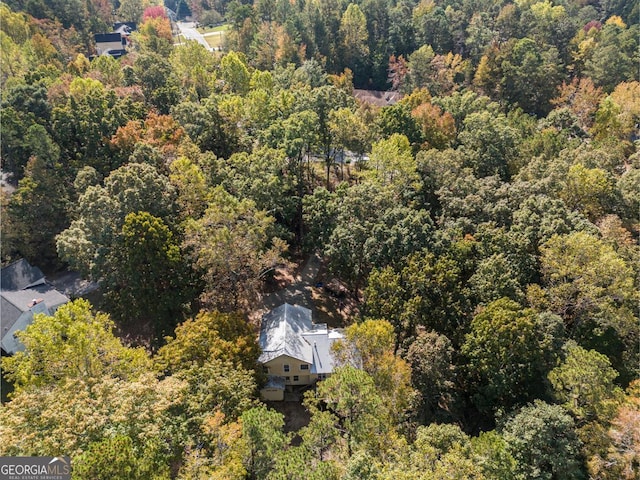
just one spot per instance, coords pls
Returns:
(230, 246)
(73, 344)
(543, 441)
(510, 351)
(207, 337)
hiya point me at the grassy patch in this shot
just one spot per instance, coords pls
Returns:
(215, 41)
(219, 28)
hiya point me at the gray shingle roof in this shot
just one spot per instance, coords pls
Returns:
(14, 303)
(107, 37)
(19, 275)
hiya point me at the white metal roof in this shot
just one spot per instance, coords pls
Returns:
(288, 330)
(281, 333)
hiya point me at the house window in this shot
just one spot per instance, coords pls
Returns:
(287, 379)
(265, 370)
(296, 378)
(322, 376)
(304, 367)
(285, 368)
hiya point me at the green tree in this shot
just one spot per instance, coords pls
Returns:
(613, 58)
(262, 432)
(370, 345)
(432, 27)
(591, 286)
(427, 292)
(397, 119)
(322, 101)
(543, 441)
(131, 10)
(221, 457)
(588, 190)
(496, 277)
(193, 65)
(263, 177)
(204, 124)
(15, 147)
(191, 186)
(109, 70)
(433, 373)
(73, 344)
(294, 464)
(211, 387)
(629, 186)
(530, 75)
(122, 222)
(540, 217)
(510, 350)
(371, 232)
(147, 274)
(35, 424)
(83, 125)
(439, 451)
(350, 394)
(420, 69)
(116, 457)
(354, 34)
(25, 108)
(434, 441)
(234, 73)
(320, 437)
(493, 140)
(391, 163)
(584, 383)
(583, 277)
(351, 130)
(209, 336)
(152, 71)
(489, 451)
(37, 210)
(230, 247)
(101, 213)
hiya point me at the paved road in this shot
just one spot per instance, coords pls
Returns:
(188, 31)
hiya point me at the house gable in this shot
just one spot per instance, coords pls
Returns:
(295, 348)
(113, 44)
(281, 333)
(20, 275)
(18, 305)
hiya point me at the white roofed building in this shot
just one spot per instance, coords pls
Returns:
(294, 349)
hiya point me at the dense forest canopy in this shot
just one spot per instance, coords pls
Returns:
(485, 227)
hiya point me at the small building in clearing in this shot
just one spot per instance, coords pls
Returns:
(295, 351)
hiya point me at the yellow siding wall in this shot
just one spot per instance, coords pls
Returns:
(276, 367)
(272, 394)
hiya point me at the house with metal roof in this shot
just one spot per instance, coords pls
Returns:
(295, 351)
(24, 292)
